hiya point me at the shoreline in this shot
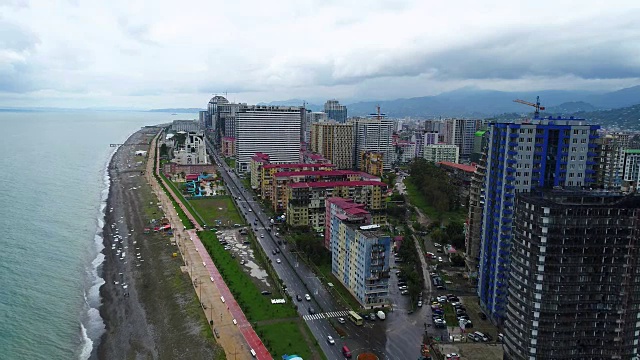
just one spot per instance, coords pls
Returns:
(144, 315)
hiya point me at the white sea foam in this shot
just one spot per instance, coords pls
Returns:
(93, 326)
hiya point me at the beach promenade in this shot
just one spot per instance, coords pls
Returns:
(233, 331)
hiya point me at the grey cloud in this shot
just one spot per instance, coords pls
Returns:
(14, 37)
(138, 32)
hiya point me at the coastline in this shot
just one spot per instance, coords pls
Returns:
(147, 303)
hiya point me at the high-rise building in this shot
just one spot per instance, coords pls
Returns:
(217, 122)
(474, 219)
(574, 290)
(373, 135)
(335, 111)
(521, 156)
(204, 119)
(611, 153)
(461, 132)
(360, 256)
(632, 170)
(334, 141)
(442, 152)
(272, 130)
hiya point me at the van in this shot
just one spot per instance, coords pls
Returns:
(346, 352)
(253, 353)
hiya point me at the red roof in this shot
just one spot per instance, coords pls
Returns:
(260, 157)
(317, 172)
(348, 206)
(192, 177)
(326, 184)
(466, 168)
(296, 166)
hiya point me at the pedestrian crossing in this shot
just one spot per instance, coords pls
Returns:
(327, 315)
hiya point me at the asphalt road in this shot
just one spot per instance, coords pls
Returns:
(390, 339)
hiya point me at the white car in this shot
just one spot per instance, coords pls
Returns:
(278, 261)
(436, 244)
(440, 259)
(341, 320)
(330, 340)
(307, 297)
(250, 210)
(262, 236)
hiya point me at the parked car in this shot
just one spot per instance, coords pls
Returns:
(420, 303)
(278, 261)
(312, 311)
(298, 297)
(307, 297)
(266, 292)
(404, 292)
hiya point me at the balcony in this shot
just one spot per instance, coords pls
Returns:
(592, 145)
(591, 162)
(592, 136)
(509, 187)
(513, 135)
(510, 169)
(591, 154)
(510, 178)
(513, 144)
(512, 152)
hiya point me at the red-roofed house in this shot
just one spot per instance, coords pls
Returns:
(459, 171)
(268, 171)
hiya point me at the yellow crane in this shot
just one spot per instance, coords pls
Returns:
(536, 105)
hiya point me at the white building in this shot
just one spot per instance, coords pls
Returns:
(374, 135)
(632, 170)
(272, 130)
(461, 132)
(192, 152)
(442, 152)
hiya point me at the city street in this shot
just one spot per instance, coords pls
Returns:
(398, 337)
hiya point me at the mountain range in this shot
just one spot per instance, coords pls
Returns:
(473, 102)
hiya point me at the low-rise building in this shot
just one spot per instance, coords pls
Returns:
(192, 152)
(442, 152)
(267, 172)
(257, 162)
(306, 200)
(278, 195)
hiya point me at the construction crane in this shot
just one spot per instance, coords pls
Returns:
(536, 105)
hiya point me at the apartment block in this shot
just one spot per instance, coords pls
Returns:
(257, 162)
(335, 141)
(372, 162)
(281, 181)
(267, 174)
(460, 132)
(360, 260)
(345, 210)
(273, 130)
(521, 156)
(574, 290)
(442, 152)
(374, 135)
(228, 146)
(611, 156)
(335, 111)
(192, 151)
(306, 200)
(632, 170)
(474, 219)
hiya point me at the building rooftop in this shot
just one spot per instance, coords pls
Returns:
(348, 206)
(465, 168)
(296, 166)
(260, 157)
(364, 175)
(327, 184)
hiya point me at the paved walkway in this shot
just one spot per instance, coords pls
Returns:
(236, 339)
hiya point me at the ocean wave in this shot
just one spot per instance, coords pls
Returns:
(92, 328)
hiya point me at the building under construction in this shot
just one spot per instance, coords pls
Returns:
(574, 289)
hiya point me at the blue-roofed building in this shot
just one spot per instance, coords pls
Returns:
(521, 156)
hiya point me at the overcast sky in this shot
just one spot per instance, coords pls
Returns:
(149, 54)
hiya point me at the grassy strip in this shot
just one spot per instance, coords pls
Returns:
(183, 217)
(338, 290)
(416, 199)
(256, 306)
(184, 201)
(284, 337)
(209, 209)
(450, 315)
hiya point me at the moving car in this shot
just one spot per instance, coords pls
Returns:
(278, 261)
(330, 340)
(298, 297)
(341, 320)
(307, 297)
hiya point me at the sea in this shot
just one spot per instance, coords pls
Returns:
(53, 190)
